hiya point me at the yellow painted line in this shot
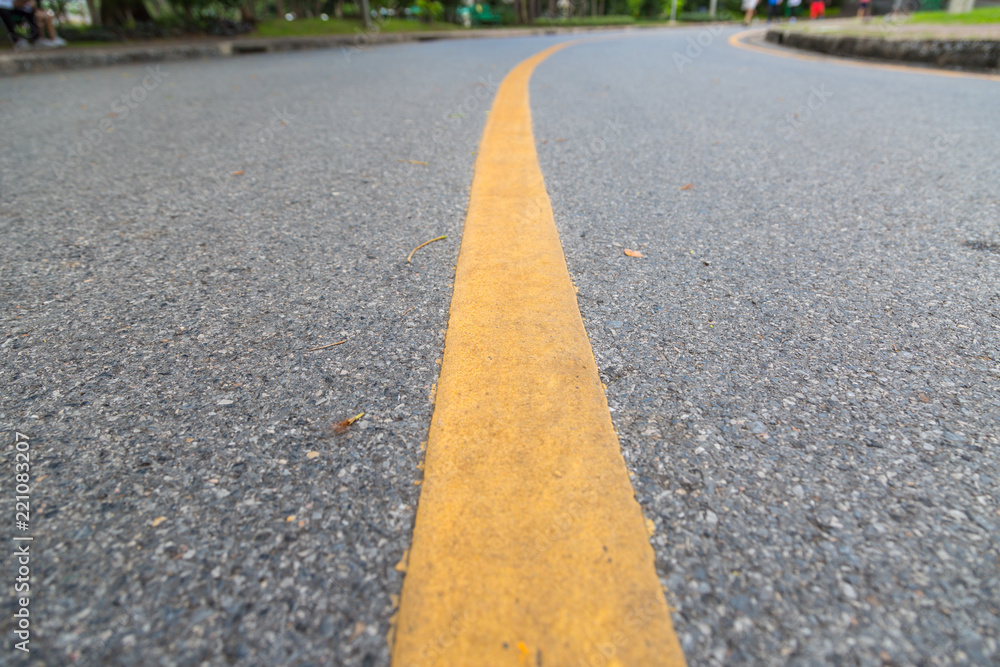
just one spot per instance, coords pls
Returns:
(739, 41)
(529, 547)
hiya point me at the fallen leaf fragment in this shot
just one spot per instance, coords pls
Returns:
(420, 162)
(290, 518)
(410, 256)
(344, 425)
(687, 187)
(633, 253)
(650, 527)
(359, 627)
(158, 520)
(523, 648)
(312, 455)
(239, 172)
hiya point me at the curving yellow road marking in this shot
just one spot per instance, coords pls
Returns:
(738, 40)
(529, 547)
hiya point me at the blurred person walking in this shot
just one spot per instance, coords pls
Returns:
(773, 10)
(793, 10)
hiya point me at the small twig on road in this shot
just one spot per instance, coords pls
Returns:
(323, 347)
(413, 162)
(410, 256)
(407, 310)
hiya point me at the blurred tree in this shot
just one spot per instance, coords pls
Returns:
(95, 15)
(123, 13)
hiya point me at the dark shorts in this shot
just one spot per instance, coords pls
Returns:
(11, 17)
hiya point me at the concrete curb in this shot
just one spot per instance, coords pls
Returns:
(12, 64)
(971, 54)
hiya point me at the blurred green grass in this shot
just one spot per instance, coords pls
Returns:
(313, 27)
(982, 15)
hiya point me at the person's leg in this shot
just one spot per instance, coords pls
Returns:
(45, 23)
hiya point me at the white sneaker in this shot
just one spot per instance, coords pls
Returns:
(45, 43)
(22, 45)
(58, 41)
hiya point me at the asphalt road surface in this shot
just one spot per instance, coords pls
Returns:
(803, 367)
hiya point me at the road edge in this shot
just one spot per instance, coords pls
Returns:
(14, 64)
(979, 55)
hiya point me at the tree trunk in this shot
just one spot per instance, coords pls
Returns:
(95, 16)
(119, 13)
(338, 9)
(366, 14)
(248, 12)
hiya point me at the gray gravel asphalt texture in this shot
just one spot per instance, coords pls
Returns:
(803, 368)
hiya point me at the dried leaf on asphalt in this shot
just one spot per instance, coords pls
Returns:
(158, 520)
(344, 425)
(633, 253)
(312, 455)
(238, 173)
(410, 256)
(687, 187)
